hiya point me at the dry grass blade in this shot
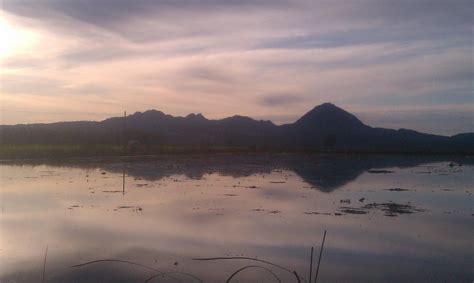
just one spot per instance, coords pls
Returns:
(127, 262)
(252, 266)
(311, 266)
(253, 259)
(297, 276)
(319, 260)
(44, 263)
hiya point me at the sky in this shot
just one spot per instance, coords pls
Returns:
(396, 64)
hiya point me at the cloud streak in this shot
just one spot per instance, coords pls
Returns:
(258, 58)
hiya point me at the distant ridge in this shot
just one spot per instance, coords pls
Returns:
(326, 127)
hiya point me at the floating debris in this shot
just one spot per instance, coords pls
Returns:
(135, 208)
(390, 208)
(317, 213)
(380, 171)
(452, 164)
(74, 206)
(350, 210)
(398, 190)
(393, 209)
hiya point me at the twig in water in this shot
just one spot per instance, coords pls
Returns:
(319, 260)
(254, 259)
(252, 266)
(44, 263)
(127, 262)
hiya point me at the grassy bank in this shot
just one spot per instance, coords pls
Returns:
(65, 151)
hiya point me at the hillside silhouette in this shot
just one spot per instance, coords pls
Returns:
(325, 127)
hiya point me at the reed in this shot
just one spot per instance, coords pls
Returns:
(311, 265)
(253, 259)
(168, 274)
(44, 263)
(319, 260)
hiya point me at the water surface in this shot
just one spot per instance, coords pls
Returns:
(388, 218)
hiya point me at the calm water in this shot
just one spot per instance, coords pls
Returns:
(388, 218)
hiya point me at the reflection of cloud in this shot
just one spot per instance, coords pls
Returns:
(184, 218)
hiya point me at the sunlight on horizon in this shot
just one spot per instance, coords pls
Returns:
(15, 39)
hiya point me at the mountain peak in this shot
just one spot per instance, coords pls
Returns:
(193, 116)
(329, 115)
(151, 112)
(326, 105)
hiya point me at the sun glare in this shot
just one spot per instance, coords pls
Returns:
(14, 39)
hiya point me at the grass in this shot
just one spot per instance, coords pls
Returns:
(44, 264)
(264, 268)
(253, 266)
(65, 151)
(159, 273)
(54, 151)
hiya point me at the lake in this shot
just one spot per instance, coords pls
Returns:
(389, 218)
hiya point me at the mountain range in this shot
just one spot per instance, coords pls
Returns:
(326, 127)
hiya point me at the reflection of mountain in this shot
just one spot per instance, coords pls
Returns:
(329, 172)
(325, 172)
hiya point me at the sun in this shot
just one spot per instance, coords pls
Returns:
(14, 39)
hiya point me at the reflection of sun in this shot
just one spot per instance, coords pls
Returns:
(13, 39)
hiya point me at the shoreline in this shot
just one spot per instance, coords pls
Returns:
(45, 153)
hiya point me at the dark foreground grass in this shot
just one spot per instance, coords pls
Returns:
(264, 265)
